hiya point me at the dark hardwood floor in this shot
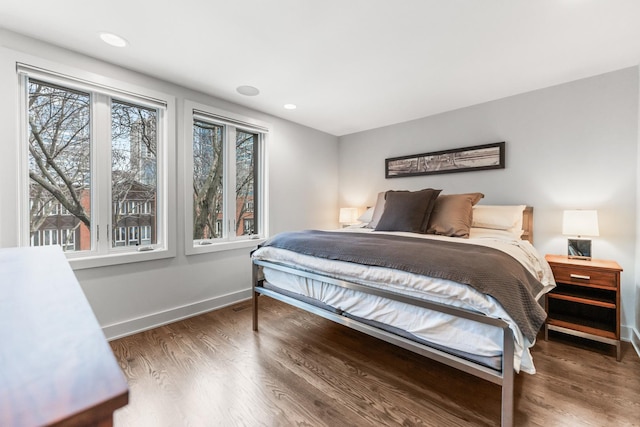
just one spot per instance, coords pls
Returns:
(300, 369)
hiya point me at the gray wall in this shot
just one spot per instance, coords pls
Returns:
(303, 186)
(568, 146)
(636, 335)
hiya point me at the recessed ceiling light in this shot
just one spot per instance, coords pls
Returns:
(247, 90)
(113, 39)
(290, 106)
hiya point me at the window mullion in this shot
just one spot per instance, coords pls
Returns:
(24, 232)
(101, 160)
(162, 167)
(230, 182)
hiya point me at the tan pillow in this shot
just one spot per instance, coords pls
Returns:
(452, 214)
(407, 210)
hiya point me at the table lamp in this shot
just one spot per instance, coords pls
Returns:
(348, 216)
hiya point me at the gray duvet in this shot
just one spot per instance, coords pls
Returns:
(489, 271)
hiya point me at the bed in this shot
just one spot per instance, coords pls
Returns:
(414, 306)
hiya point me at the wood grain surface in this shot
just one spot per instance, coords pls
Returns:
(300, 369)
(56, 367)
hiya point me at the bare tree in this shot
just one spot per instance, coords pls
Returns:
(60, 154)
(207, 179)
(133, 159)
(245, 177)
(59, 151)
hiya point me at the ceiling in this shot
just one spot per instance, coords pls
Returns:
(349, 65)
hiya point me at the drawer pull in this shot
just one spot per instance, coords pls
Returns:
(580, 276)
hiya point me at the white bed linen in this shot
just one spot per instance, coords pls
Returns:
(439, 328)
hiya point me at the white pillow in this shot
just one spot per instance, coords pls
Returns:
(489, 233)
(378, 209)
(499, 217)
(367, 216)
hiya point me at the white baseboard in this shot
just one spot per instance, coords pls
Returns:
(143, 323)
(635, 340)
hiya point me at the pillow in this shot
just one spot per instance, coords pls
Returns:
(377, 210)
(407, 211)
(489, 233)
(452, 214)
(503, 217)
(429, 211)
(367, 216)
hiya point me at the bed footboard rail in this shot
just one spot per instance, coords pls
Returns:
(503, 377)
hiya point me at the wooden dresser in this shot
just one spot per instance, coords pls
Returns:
(56, 367)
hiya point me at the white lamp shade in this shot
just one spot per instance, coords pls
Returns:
(580, 223)
(348, 216)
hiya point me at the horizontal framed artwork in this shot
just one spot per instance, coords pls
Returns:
(466, 159)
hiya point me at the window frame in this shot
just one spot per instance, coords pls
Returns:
(228, 120)
(104, 90)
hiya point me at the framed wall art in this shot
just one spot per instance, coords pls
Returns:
(466, 159)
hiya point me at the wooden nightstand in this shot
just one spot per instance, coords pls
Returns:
(586, 301)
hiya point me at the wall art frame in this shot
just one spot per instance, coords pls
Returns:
(465, 159)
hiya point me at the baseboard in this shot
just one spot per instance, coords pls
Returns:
(143, 323)
(635, 340)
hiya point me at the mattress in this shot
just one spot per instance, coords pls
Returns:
(439, 329)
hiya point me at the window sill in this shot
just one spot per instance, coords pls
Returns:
(80, 263)
(223, 246)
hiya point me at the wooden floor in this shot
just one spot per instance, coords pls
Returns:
(300, 369)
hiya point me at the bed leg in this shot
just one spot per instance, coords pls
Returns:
(507, 379)
(254, 280)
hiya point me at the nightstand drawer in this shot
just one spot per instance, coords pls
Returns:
(582, 276)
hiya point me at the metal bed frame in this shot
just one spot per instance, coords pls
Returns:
(503, 377)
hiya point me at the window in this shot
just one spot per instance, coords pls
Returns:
(132, 207)
(120, 236)
(49, 237)
(247, 225)
(227, 182)
(95, 159)
(59, 147)
(145, 235)
(134, 237)
(68, 239)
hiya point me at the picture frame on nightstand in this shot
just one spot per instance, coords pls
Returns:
(579, 249)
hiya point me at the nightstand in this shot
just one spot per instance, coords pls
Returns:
(586, 300)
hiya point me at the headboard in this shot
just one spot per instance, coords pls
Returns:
(527, 224)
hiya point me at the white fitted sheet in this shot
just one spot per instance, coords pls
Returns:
(439, 328)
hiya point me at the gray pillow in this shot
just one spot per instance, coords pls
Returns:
(407, 211)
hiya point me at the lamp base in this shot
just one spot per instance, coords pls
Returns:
(579, 249)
